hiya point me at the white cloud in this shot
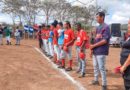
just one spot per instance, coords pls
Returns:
(120, 13)
(118, 19)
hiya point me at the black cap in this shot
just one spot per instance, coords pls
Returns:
(53, 24)
(60, 23)
(102, 14)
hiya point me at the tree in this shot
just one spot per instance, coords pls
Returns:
(11, 7)
(79, 14)
(24, 9)
(61, 10)
(30, 10)
(47, 7)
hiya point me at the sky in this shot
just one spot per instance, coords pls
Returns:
(118, 10)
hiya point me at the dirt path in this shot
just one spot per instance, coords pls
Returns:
(22, 68)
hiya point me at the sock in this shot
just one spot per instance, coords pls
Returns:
(63, 62)
(70, 63)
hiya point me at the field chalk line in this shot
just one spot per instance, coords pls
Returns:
(76, 83)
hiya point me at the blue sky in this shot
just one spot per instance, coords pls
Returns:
(118, 10)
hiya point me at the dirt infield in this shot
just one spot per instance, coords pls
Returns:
(23, 68)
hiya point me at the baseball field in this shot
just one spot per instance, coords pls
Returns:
(24, 67)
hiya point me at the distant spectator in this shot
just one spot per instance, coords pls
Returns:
(1, 35)
(17, 36)
(8, 35)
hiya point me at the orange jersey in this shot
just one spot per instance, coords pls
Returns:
(55, 38)
(81, 36)
(44, 34)
(69, 35)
